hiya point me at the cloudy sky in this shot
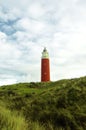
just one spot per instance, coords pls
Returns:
(26, 26)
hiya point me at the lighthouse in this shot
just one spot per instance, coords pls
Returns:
(45, 66)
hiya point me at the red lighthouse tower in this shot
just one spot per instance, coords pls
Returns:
(45, 66)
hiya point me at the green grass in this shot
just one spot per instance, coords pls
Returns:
(11, 120)
(59, 105)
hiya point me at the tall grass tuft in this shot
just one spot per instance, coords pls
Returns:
(11, 120)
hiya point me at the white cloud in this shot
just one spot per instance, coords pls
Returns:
(32, 26)
(36, 10)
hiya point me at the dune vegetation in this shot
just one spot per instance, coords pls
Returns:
(59, 105)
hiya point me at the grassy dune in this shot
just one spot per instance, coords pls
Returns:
(59, 105)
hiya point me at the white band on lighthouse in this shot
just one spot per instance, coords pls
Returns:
(45, 54)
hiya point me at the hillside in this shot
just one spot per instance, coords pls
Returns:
(59, 105)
